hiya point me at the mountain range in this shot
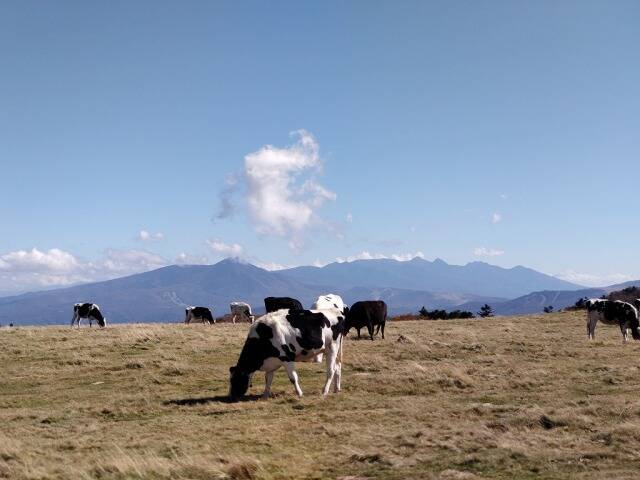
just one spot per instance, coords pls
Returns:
(161, 295)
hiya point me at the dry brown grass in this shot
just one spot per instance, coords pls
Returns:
(506, 398)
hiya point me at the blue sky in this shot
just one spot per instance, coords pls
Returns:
(505, 132)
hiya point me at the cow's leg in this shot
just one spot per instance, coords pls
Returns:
(591, 327)
(623, 329)
(90, 321)
(332, 353)
(338, 369)
(370, 330)
(268, 378)
(383, 330)
(358, 334)
(290, 367)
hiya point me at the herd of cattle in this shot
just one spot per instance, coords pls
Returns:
(288, 333)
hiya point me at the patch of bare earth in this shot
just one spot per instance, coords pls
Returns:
(502, 398)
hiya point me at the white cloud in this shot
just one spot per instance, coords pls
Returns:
(496, 218)
(145, 236)
(271, 266)
(224, 249)
(281, 192)
(593, 280)
(125, 262)
(365, 255)
(318, 263)
(487, 252)
(349, 218)
(184, 258)
(33, 269)
(504, 196)
(34, 260)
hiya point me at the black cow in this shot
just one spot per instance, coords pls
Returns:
(273, 304)
(611, 312)
(284, 337)
(367, 314)
(90, 311)
(201, 314)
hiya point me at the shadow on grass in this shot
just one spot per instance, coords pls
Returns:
(190, 402)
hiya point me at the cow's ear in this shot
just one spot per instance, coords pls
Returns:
(232, 369)
(346, 310)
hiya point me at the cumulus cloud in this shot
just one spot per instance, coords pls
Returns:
(22, 270)
(281, 191)
(225, 249)
(34, 260)
(365, 255)
(271, 266)
(496, 218)
(487, 252)
(184, 258)
(146, 236)
(594, 280)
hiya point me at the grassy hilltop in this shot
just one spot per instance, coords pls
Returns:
(518, 397)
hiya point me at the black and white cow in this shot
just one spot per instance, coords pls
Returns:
(329, 301)
(283, 337)
(273, 304)
(198, 315)
(368, 314)
(241, 311)
(612, 312)
(90, 311)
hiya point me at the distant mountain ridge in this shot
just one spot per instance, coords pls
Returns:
(477, 278)
(161, 295)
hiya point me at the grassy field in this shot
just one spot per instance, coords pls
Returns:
(519, 397)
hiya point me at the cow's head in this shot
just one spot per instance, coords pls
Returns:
(238, 383)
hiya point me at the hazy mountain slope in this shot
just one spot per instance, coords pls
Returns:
(476, 278)
(534, 302)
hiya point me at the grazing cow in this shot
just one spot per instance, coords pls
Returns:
(90, 311)
(367, 314)
(198, 314)
(241, 311)
(283, 337)
(273, 304)
(329, 301)
(612, 312)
